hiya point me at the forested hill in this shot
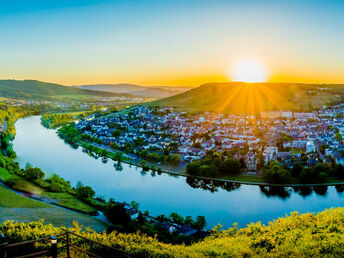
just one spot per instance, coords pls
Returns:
(31, 89)
(236, 97)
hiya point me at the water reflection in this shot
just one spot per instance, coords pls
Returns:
(340, 188)
(303, 190)
(320, 189)
(210, 185)
(118, 166)
(279, 191)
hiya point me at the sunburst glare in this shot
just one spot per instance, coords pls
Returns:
(249, 70)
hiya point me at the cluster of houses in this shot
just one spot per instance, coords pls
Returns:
(249, 137)
(172, 227)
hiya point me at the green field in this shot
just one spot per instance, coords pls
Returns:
(18, 208)
(69, 201)
(62, 199)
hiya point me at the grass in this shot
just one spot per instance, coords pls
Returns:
(22, 209)
(10, 199)
(18, 183)
(245, 178)
(62, 199)
(69, 201)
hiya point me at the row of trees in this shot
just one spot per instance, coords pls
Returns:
(53, 120)
(276, 173)
(215, 164)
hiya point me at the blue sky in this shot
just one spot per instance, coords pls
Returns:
(169, 42)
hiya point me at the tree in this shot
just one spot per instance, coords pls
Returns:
(199, 223)
(174, 159)
(84, 192)
(118, 156)
(143, 163)
(135, 205)
(176, 218)
(230, 166)
(116, 133)
(339, 171)
(218, 143)
(104, 153)
(296, 170)
(114, 145)
(193, 168)
(338, 136)
(277, 174)
(197, 145)
(307, 175)
(33, 173)
(283, 138)
(208, 170)
(117, 214)
(242, 163)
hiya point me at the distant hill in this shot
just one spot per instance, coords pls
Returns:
(241, 98)
(137, 90)
(30, 89)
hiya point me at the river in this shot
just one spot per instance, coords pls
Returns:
(163, 194)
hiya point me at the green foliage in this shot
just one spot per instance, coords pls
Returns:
(54, 120)
(83, 192)
(69, 134)
(339, 171)
(316, 174)
(339, 137)
(276, 174)
(283, 138)
(305, 235)
(33, 173)
(116, 133)
(58, 184)
(117, 214)
(215, 164)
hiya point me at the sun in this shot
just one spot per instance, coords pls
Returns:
(249, 70)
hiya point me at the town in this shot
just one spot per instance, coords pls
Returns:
(284, 136)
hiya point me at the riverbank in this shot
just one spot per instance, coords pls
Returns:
(164, 194)
(180, 171)
(14, 206)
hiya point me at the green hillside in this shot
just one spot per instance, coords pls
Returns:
(306, 235)
(254, 97)
(16, 207)
(30, 89)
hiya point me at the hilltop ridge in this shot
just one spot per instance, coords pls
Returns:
(137, 90)
(239, 97)
(33, 89)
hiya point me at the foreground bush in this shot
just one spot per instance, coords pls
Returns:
(296, 235)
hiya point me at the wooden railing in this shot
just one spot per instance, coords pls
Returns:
(59, 245)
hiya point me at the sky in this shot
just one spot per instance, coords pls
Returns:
(170, 42)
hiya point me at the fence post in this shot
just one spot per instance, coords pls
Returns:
(3, 253)
(68, 242)
(54, 247)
